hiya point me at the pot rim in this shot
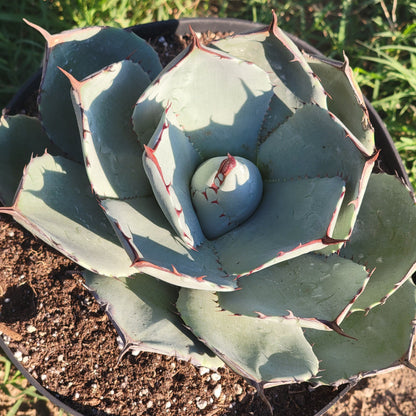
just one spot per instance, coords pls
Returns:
(391, 160)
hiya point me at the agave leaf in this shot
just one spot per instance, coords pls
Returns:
(170, 161)
(277, 113)
(384, 238)
(293, 79)
(293, 218)
(54, 202)
(383, 338)
(345, 98)
(315, 143)
(317, 291)
(267, 352)
(191, 87)
(103, 103)
(155, 249)
(21, 137)
(142, 309)
(82, 52)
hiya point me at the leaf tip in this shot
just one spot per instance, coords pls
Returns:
(76, 85)
(48, 37)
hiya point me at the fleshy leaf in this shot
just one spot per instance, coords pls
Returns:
(384, 238)
(313, 143)
(154, 248)
(142, 309)
(317, 291)
(383, 338)
(169, 162)
(191, 87)
(294, 217)
(103, 103)
(293, 79)
(55, 203)
(82, 52)
(21, 137)
(264, 351)
(345, 98)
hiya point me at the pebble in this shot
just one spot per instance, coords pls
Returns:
(168, 405)
(143, 392)
(201, 404)
(216, 377)
(18, 355)
(238, 389)
(203, 371)
(120, 342)
(30, 329)
(149, 404)
(217, 391)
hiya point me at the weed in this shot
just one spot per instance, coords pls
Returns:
(14, 385)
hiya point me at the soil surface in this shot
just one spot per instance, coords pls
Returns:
(64, 339)
(61, 335)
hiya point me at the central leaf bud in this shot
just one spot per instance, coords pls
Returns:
(225, 192)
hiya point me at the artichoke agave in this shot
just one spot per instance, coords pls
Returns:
(224, 208)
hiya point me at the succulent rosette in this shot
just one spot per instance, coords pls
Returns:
(224, 208)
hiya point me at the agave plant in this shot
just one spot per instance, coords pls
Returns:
(224, 208)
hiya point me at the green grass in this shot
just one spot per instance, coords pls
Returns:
(378, 36)
(21, 48)
(13, 384)
(390, 82)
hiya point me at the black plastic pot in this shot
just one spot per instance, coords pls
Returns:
(389, 160)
